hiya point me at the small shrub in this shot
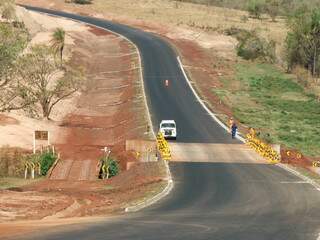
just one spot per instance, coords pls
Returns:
(235, 32)
(251, 47)
(114, 168)
(82, 1)
(46, 159)
(11, 162)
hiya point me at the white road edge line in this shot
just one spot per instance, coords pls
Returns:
(157, 197)
(202, 102)
(170, 183)
(281, 165)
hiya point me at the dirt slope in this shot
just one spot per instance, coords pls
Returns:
(104, 113)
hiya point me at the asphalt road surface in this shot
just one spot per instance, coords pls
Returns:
(227, 200)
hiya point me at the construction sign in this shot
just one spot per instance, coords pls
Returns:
(40, 136)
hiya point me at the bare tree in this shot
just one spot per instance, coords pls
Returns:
(41, 81)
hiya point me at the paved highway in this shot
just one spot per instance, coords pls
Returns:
(225, 200)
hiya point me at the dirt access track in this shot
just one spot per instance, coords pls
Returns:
(109, 110)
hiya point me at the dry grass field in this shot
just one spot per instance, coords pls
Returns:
(202, 17)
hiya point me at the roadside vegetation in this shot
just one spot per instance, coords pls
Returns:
(11, 162)
(284, 108)
(109, 167)
(19, 167)
(31, 77)
(42, 82)
(33, 80)
(275, 104)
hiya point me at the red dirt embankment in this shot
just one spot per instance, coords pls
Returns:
(104, 114)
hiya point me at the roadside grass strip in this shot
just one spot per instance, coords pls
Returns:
(275, 104)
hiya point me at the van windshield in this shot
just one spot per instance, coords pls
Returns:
(168, 125)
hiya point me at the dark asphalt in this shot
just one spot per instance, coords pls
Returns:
(210, 200)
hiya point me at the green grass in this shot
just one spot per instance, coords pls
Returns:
(11, 182)
(274, 103)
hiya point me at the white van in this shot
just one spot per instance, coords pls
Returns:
(169, 129)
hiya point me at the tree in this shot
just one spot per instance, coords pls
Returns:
(12, 42)
(41, 81)
(303, 40)
(58, 41)
(256, 8)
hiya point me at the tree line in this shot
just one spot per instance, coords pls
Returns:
(302, 44)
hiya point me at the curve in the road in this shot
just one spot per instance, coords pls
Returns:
(229, 201)
(160, 63)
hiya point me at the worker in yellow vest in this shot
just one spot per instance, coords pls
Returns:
(231, 122)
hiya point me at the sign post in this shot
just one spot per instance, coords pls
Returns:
(40, 136)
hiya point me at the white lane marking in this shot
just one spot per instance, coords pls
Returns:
(157, 197)
(202, 102)
(299, 175)
(292, 182)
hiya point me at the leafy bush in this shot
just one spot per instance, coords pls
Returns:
(114, 168)
(252, 47)
(46, 159)
(109, 168)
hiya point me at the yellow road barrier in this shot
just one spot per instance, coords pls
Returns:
(163, 147)
(316, 164)
(263, 149)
